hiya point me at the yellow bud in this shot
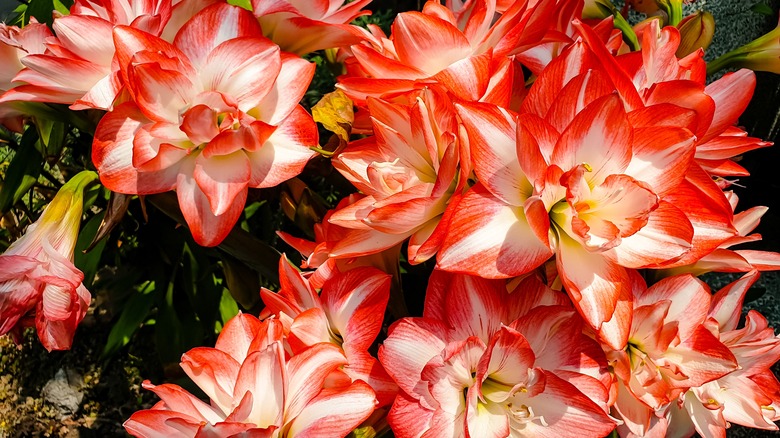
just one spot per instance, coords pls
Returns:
(59, 223)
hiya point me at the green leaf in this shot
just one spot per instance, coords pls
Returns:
(133, 314)
(228, 308)
(763, 9)
(246, 4)
(63, 7)
(19, 16)
(42, 11)
(89, 262)
(253, 252)
(363, 432)
(22, 173)
(177, 328)
(52, 136)
(242, 282)
(198, 282)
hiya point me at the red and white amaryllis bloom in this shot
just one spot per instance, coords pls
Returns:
(211, 115)
(750, 395)
(15, 44)
(303, 26)
(713, 109)
(467, 55)
(408, 171)
(38, 280)
(347, 312)
(725, 259)
(577, 175)
(471, 375)
(255, 389)
(316, 255)
(78, 66)
(670, 348)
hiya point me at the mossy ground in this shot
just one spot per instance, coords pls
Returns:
(111, 388)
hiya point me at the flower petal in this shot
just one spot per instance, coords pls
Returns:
(213, 26)
(489, 238)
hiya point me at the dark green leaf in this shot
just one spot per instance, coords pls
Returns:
(52, 135)
(242, 282)
(19, 16)
(250, 250)
(763, 9)
(198, 282)
(133, 314)
(22, 173)
(177, 329)
(42, 11)
(89, 261)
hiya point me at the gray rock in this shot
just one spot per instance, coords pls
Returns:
(63, 392)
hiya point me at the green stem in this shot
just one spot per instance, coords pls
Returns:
(675, 13)
(723, 61)
(629, 36)
(620, 23)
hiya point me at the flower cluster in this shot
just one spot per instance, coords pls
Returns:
(568, 186)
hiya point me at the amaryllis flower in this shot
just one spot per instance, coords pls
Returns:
(256, 390)
(712, 110)
(348, 312)
(15, 44)
(316, 255)
(303, 26)
(408, 171)
(212, 115)
(470, 375)
(38, 280)
(469, 56)
(78, 66)
(602, 188)
(725, 259)
(669, 349)
(748, 395)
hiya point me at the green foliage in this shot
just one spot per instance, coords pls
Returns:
(763, 9)
(134, 313)
(42, 10)
(228, 308)
(383, 19)
(246, 4)
(177, 328)
(324, 80)
(22, 172)
(89, 261)
(51, 136)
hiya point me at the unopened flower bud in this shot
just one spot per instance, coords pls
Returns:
(761, 54)
(37, 275)
(696, 31)
(598, 9)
